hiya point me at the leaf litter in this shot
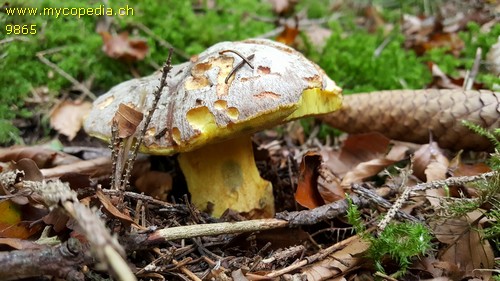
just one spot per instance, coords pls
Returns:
(322, 174)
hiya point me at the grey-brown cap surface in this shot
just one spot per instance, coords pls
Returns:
(204, 103)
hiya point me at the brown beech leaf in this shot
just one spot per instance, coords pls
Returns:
(15, 221)
(113, 211)
(307, 194)
(339, 262)
(20, 244)
(459, 169)
(466, 247)
(363, 156)
(329, 185)
(317, 36)
(155, 184)
(127, 119)
(120, 46)
(374, 18)
(429, 164)
(442, 81)
(424, 156)
(288, 35)
(67, 117)
(30, 169)
(58, 219)
(281, 7)
(450, 41)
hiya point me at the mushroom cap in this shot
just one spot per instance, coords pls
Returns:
(198, 107)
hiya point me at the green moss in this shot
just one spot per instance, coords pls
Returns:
(80, 53)
(401, 242)
(350, 61)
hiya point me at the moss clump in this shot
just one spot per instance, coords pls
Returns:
(350, 61)
(80, 53)
(400, 242)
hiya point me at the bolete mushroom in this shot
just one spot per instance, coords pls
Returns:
(212, 105)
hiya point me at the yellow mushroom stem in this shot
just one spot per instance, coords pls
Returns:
(224, 175)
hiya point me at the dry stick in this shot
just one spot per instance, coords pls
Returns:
(313, 258)
(471, 75)
(63, 261)
(61, 72)
(14, 38)
(186, 271)
(453, 181)
(400, 201)
(157, 94)
(105, 247)
(191, 231)
(380, 201)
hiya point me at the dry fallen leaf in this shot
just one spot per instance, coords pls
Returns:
(317, 36)
(288, 35)
(466, 248)
(430, 164)
(67, 117)
(111, 210)
(42, 156)
(363, 156)
(15, 221)
(329, 185)
(155, 184)
(20, 244)
(120, 46)
(127, 119)
(307, 194)
(281, 7)
(459, 169)
(339, 262)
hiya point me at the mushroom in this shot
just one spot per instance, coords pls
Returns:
(211, 107)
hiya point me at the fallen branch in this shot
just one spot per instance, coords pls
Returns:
(41, 57)
(63, 261)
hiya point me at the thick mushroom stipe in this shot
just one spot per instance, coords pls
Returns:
(226, 172)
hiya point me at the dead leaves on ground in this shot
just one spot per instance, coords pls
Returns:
(67, 117)
(22, 216)
(121, 46)
(463, 251)
(360, 157)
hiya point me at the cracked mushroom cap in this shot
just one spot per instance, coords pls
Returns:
(202, 103)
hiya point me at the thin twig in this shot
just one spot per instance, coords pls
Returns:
(313, 258)
(453, 181)
(191, 231)
(140, 137)
(162, 42)
(238, 66)
(401, 200)
(14, 38)
(41, 57)
(247, 60)
(471, 76)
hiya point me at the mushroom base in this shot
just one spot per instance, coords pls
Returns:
(224, 175)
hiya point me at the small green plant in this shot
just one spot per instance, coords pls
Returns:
(400, 242)
(354, 217)
(488, 190)
(351, 61)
